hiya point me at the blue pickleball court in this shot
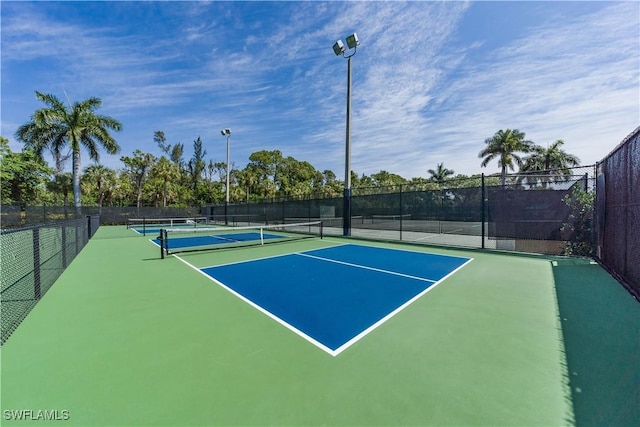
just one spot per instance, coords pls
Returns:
(203, 241)
(334, 296)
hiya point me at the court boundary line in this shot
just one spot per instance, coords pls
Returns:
(364, 267)
(371, 328)
(402, 242)
(213, 248)
(265, 257)
(263, 310)
(310, 339)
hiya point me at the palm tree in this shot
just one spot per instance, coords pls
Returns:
(100, 176)
(38, 140)
(138, 168)
(503, 146)
(62, 184)
(440, 174)
(550, 162)
(166, 172)
(79, 125)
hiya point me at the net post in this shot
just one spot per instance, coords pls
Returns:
(261, 236)
(165, 239)
(144, 226)
(161, 238)
(321, 228)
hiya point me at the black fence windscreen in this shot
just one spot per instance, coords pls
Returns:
(20, 216)
(618, 213)
(530, 213)
(32, 258)
(521, 214)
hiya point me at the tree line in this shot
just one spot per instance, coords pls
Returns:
(172, 180)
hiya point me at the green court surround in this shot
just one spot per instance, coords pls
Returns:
(126, 339)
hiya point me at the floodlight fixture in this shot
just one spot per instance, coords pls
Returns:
(352, 41)
(227, 132)
(338, 48)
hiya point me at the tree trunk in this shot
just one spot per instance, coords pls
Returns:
(76, 181)
(100, 194)
(164, 194)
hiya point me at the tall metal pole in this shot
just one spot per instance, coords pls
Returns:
(346, 222)
(226, 205)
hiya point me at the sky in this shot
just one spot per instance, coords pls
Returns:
(431, 81)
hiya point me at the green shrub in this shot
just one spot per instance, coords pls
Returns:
(578, 230)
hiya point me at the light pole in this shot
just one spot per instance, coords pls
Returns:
(227, 132)
(339, 50)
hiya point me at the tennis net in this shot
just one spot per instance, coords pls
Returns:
(377, 219)
(153, 225)
(178, 240)
(327, 222)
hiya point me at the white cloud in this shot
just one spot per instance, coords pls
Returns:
(421, 96)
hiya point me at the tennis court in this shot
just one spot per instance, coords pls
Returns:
(324, 331)
(152, 226)
(334, 296)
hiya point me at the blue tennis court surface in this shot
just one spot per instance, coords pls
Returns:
(155, 228)
(334, 296)
(206, 240)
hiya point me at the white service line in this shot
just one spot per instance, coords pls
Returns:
(268, 257)
(366, 268)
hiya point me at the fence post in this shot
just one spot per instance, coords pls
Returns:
(401, 212)
(64, 245)
(482, 214)
(346, 212)
(36, 263)
(284, 213)
(76, 228)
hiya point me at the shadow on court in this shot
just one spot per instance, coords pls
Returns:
(601, 329)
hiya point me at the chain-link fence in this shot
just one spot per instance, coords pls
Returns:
(618, 212)
(18, 216)
(530, 213)
(32, 258)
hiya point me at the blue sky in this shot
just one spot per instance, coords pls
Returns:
(431, 80)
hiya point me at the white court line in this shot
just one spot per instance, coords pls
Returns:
(427, 237)
(264, 311)
(267, 257)
(362, 334)
(401, 250)
(364, 267)
(307, 337)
